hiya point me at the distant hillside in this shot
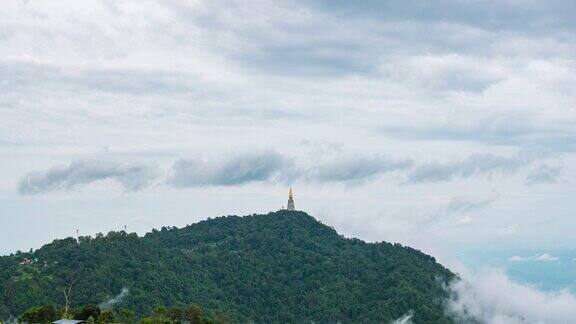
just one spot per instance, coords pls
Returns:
(280, 267)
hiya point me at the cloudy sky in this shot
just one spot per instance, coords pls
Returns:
(445, 124)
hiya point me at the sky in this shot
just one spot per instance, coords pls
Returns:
(444, 125)
(449, 126)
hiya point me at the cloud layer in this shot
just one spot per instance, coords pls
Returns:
(79, 173)
(235, 170)
(465, 204)
(544, 257)
(475, 164)
(273, 167)
(358, 168)
(543, 174)
(491, 297)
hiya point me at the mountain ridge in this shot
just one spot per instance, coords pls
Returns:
(282, 266)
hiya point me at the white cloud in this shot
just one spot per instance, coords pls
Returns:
(544, 257)
(490, 297)
(454, 213)
(445, 72)
(112, 302)
(507, 230)
(464, 220)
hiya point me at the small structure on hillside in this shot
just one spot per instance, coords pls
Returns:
(26, 261)
(68, 321)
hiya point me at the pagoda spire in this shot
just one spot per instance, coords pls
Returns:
(290, 205)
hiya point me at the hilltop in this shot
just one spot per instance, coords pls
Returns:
(279, 267)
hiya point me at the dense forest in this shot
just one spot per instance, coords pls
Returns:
(279, 267)
(94, 314)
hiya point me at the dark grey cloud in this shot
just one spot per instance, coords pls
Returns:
(356, 38)
(358, 169)
(132, 177)
(303, 61)
(289, 39)
(476, 164)
(270, 166)
(543, 174)
(236, 170)
(331, 38)
(517, 16)
(466, 204)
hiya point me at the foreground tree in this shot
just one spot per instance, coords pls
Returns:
(43, 314)
(88, 311)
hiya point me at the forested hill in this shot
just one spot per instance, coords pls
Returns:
(279, 267)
